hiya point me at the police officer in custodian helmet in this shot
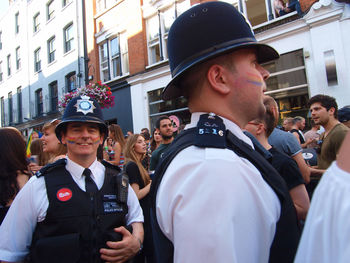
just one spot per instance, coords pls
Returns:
(76, 209)
(214, 198)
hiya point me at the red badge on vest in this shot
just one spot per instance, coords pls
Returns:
(64, 194)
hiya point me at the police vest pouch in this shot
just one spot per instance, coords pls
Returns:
(57, 249)
(111, 235)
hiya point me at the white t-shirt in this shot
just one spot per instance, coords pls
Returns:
(31, 203)
(215, 206)
(326, 232)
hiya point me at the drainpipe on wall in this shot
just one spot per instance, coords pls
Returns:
(86, 58)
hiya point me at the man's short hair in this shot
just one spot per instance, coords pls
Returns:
(270, 120)
(297, 119)
(163, 117)
(326, 101)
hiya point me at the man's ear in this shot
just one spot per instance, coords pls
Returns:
(63, 138)
(260, 129)
(331, 111)
(217, 77)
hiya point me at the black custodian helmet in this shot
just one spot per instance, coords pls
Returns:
(82, 109)
(206, 31)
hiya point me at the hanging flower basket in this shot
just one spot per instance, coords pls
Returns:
(98, 91)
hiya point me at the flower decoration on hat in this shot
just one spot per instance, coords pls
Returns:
(98, 91)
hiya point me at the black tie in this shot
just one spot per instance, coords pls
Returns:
(90, 185)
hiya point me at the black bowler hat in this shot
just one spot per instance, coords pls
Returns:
(82, 109)
(205, 31)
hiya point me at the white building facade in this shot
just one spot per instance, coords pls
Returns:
(314, 57)
(42, 57)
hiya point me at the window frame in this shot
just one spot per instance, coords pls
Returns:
(69, 81)
(36, 22)
(10, 107)
(39, 102)
(1, 72)
(9, 65)
(68, 43)
(51, 54)
(37, 60)
(18, 58)
(17, 23)
(50, 11)
(53, 99)
(19, 104)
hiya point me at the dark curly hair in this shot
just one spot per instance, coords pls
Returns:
(12, 159)
(326, 101)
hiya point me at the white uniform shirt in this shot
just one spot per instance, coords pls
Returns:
(31, 203)
(326, 232)
(215, 207)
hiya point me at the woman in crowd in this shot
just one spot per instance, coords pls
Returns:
(37, 154)
(116, 134)
(51, 145)
(156, 139)
(13, 167)
(135, 150)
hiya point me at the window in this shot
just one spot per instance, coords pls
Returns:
(19, 104)
(17, 23)
(37, 60)
(18, 58)
(70, 81)
(36, 23)
(0, 40)
(100, 5)
(159, 107)
(10, 108)
(288, 84)
(51, 49)
(1, 77)
(39, 101)
(53, 96)
(65, 2)
(50, 10)
(8, 65)
(2, 112)
(68, 38)
(157, 31)
(114, 60)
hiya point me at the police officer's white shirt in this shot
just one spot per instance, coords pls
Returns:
(31, 203)
(215, 207)
(326, 232)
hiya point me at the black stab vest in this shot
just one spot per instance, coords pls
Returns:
(74, 230)
(287, 235)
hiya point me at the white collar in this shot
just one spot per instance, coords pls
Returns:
(76, 170)
(230, 125)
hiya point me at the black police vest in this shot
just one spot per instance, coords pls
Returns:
(77, 224)
(287, 233)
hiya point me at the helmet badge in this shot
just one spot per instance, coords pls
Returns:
(85, 105)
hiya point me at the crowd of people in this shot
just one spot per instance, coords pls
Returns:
(230, 187)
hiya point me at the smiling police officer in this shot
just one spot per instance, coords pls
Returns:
(76, 209)
(215, 199)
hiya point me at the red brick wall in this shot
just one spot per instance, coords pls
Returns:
(306, 4)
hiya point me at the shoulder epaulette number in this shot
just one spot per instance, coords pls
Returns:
(211, 131)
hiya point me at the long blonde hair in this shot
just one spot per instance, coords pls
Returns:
(130, 155)
(117, 134)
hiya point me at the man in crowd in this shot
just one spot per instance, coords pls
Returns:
(285, 142)
(324, 111)
(76, 209)
(287, 123)
(165, 128)
(312, 135)
(213, 196)
(326, 232)
(261, 128)
(344, 116)
(297, 131)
